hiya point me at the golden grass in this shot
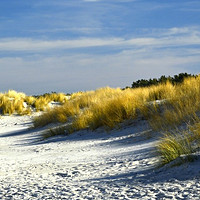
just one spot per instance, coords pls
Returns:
(162, 91)
(30, 100)
(10, 105)
(56, 115)
(82, 121)
(181, 106)
(57, 97)
(41, 104)
(15, 95)
(109, 107)
(106, 107)
(173, 146)
(178, 143)
(15, 102)
(12, 102)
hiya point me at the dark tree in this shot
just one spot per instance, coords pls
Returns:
(163, 79)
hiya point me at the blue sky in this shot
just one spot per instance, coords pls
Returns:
(73, 45)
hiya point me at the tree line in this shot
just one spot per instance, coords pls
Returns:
(163, 79)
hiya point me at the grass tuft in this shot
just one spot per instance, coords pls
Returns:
(17, 102)
(56, 115)
(173, 146)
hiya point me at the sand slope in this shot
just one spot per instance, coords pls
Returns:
(86, 165)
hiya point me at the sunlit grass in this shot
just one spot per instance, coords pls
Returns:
(12, 102)
(164, 106)
(56, 115)
(174, 145)
(180, 107)
(107, 107)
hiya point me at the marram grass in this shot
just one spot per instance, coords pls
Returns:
(108, 107)
(13, 102)
(172, 146)
(57, 115)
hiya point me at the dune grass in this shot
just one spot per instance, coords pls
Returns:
(177, 105)
(181, 107)
(166, 106)
(106, 107)
(181, 110)
(174, 145)
(57, 114)
(12, 102)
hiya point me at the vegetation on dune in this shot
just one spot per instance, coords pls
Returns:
(174, 145)
(57, 115)
(13, 102)
(178, 105)
(167, 105)
(108, 107)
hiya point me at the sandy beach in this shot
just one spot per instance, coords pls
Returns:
(120, 164)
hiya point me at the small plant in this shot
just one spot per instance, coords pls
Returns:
(41, 104)
(30, 100)
(173, 146)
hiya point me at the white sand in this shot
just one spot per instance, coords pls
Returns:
(86, 165)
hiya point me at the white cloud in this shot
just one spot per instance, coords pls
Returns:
(170, 37)
(38, 45)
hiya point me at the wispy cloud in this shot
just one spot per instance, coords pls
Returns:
(169, 38)
(41, 45)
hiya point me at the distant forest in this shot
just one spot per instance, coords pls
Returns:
(163, 79)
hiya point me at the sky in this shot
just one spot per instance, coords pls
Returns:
(78, 45)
